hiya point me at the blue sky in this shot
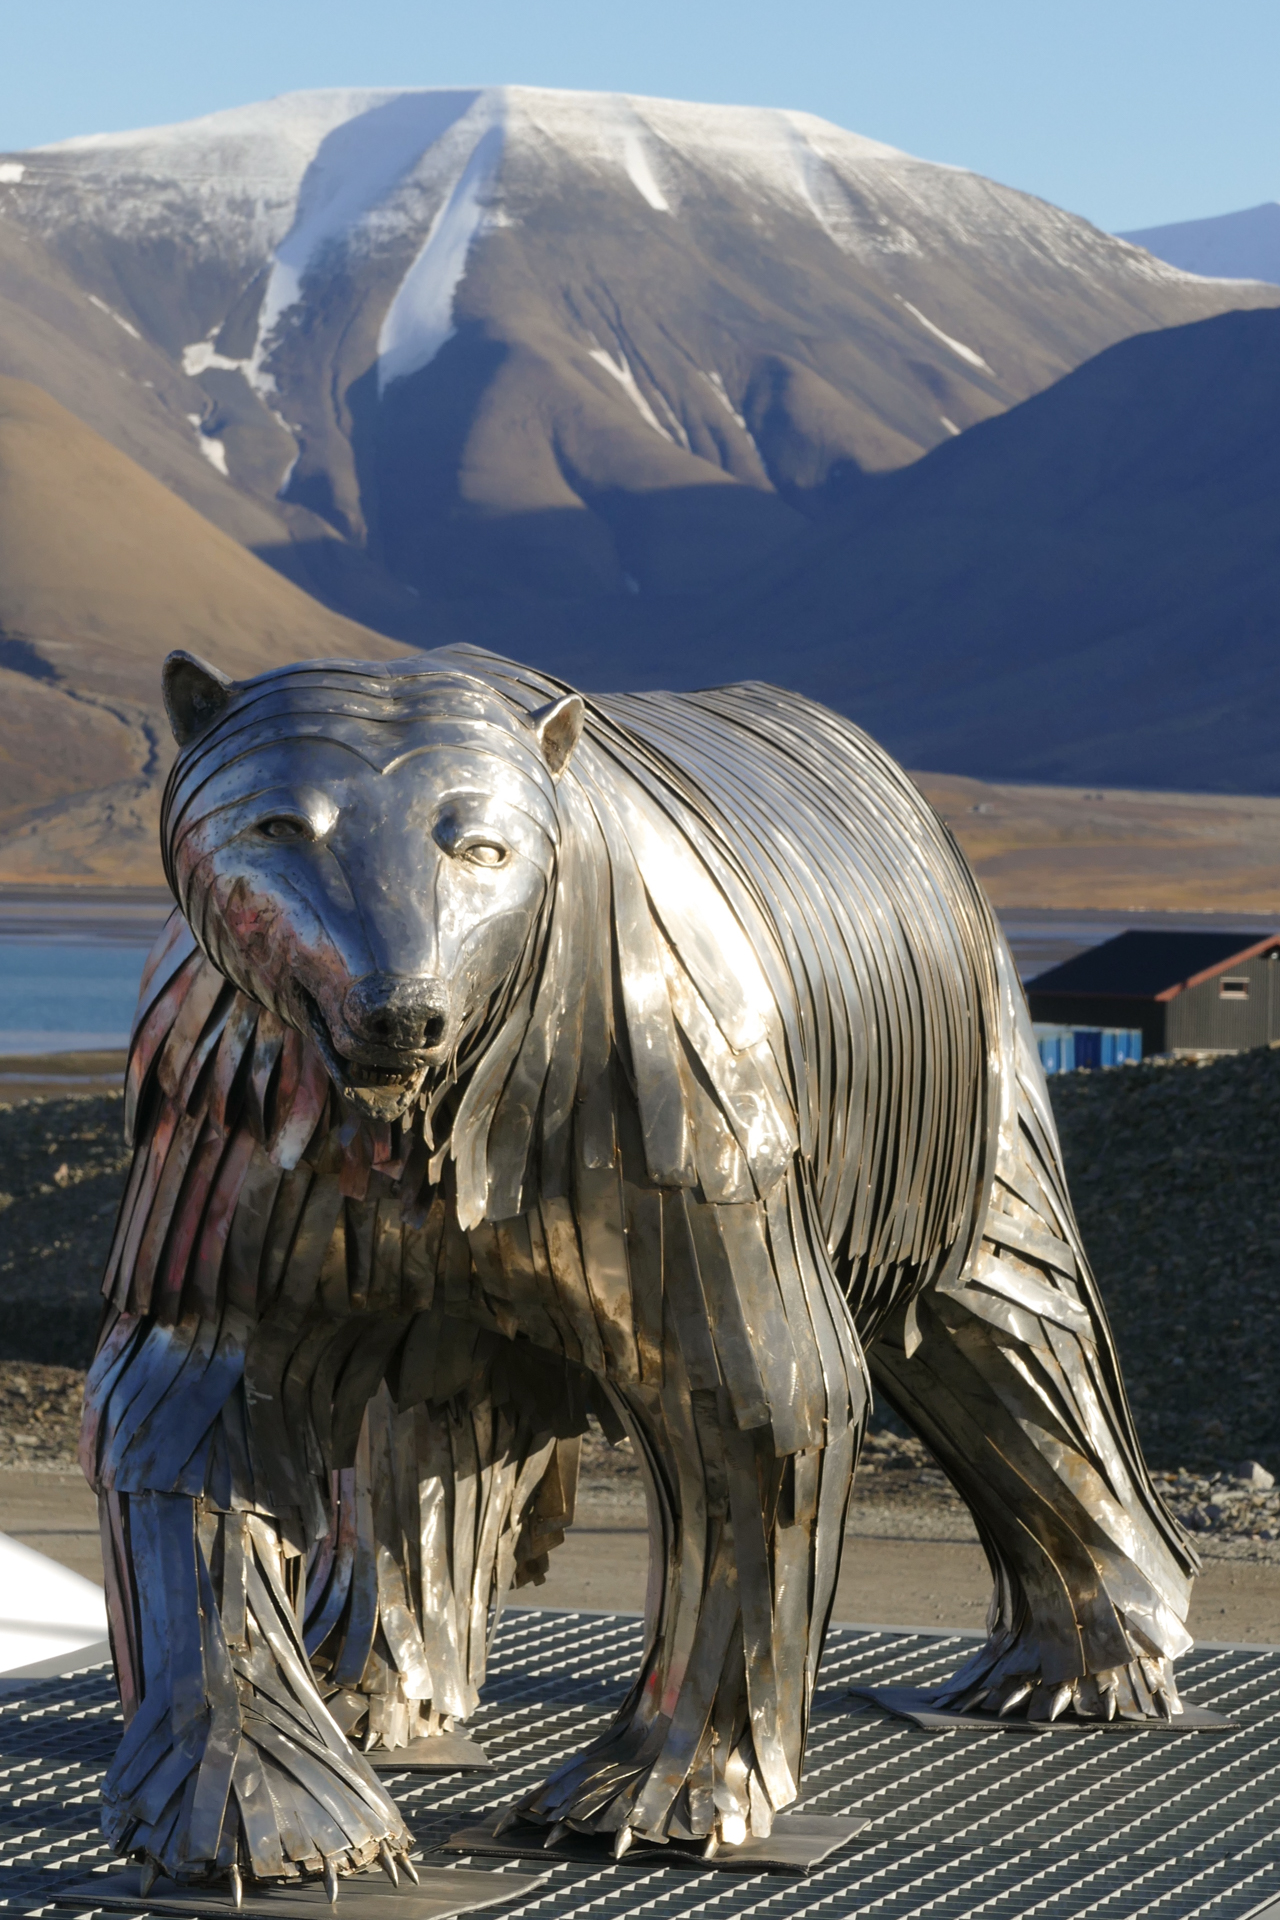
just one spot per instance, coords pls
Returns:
(1132, 112)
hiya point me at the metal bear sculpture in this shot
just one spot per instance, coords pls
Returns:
(515, 1056)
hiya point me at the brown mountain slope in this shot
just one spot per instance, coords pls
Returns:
(102, 571)
(74, 344)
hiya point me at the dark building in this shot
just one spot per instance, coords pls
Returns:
(1213, 991)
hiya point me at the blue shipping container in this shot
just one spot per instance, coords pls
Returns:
(1063, 1049)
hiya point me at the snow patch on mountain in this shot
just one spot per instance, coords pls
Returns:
(626, 379)
(126, 325)
(823, 161)
(353, 173)
(201, 357)
(286, 176)
(674, 421)
(640, 172)
(968, 354)
(716, 383)
(234, 176)
(213, 450)
(420, 317)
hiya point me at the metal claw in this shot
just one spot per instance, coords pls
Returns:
(148, 1874)
(711, 1846)
(968, 1701)
(237, 1884)
(556, 1834)
(406, 1863)
(331, 1883)
(1061, 1699)
(622, 1842)
(1021, 1692)
(509, 1819)
(387, 1861)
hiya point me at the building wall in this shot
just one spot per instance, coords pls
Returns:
(1202, 1017)
(1104, 1010)
(1205, 1016)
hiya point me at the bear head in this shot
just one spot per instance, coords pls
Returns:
(368, 850)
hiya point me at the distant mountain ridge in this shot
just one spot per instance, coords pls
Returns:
(1232, 246)
(1085, 590)
(432, 350)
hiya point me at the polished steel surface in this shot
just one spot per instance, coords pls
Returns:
(520, 1058)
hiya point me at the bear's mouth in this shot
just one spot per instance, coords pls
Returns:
(385, 1092)
(358, 1074)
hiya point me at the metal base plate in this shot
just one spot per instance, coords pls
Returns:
(799, 1843)
(916, 1703)
(442, 1753)
(444, 1891)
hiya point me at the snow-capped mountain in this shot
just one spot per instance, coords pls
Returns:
(426, 345)
(1229, 246)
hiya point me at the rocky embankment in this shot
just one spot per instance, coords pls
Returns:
(1175, 1172)
(1175, 1175)
(62, 1169)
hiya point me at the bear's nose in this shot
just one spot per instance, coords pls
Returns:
(397, 1011)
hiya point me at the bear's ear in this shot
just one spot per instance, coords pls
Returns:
(194, 694)
(558, 727)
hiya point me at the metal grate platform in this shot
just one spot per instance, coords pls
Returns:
(992, 1822)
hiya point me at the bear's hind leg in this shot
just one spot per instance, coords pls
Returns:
(1011, 1377)
(445, 1508)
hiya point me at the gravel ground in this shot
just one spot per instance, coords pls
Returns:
(1175, 1171)
(39, 1414)
(1219, 1508)
(893, 1471)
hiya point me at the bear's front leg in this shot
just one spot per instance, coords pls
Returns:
(230, 1766)
(745, 1545)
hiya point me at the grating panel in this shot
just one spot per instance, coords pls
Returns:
(992, 1822)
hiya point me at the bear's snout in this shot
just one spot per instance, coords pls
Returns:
(397, 1012)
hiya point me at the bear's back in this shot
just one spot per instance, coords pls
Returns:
(889, 945)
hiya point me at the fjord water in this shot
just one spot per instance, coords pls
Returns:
(70, 967)
(61, 996)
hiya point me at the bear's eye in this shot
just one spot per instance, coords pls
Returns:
(485, 853)
(285, 826)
